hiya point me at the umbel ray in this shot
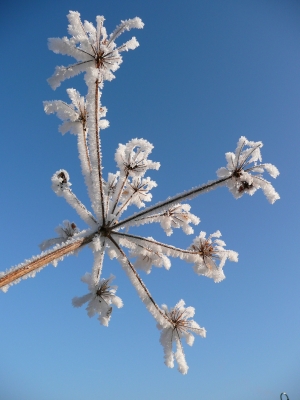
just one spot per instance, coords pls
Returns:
(98, 57)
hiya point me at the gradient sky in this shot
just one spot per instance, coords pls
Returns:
(206, 72)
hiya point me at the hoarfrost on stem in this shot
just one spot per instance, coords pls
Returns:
(98, 56)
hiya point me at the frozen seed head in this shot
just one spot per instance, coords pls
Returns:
(94, 51)
(100, 299)
(132, 158)
(180, 326)
(245, 169)
(210, 256)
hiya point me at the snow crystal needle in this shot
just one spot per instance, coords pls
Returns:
(98, 57)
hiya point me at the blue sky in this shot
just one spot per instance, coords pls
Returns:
(206, 72)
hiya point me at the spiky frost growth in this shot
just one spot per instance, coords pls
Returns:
(241, 166)
(209, 251)
(98, 56)
(180, 326)
(100, 298)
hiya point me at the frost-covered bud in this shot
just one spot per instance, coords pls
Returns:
(178, 216)
(100, 299)
(207, 253)
(180, 326)
(147, 257)
(95, 52)
(247, 178)
(132, 158)
(60, 181)
(65, 232)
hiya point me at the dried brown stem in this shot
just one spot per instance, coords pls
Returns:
(43, 260)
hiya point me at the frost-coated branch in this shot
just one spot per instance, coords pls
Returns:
(93, 105)
(168, 203)
(153, 244)
(98, 245)
(140, 287)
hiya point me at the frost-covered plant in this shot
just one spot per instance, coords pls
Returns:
(98, 56)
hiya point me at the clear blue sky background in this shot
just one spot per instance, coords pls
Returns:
(206, 72)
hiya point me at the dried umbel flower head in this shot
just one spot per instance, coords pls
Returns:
(106, 233)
